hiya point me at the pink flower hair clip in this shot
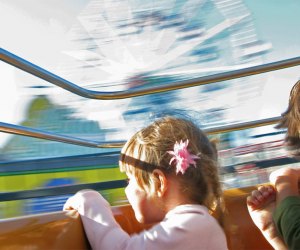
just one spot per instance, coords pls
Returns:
(182, 157)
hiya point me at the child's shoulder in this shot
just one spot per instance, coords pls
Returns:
(190, 215)
(188, 209)
(192, 225)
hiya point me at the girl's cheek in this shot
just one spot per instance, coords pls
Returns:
(130, 197)
(127, 192)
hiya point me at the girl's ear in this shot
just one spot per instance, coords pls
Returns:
(161, 182)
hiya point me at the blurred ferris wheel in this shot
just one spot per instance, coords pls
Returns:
(120, 45)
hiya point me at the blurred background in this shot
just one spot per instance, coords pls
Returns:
(117, 45)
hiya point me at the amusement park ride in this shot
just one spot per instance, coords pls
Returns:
(62, 230)
(196, 44)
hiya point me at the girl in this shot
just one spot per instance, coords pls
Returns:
(172, 181)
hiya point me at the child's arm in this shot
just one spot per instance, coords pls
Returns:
(285, 181)
(179, 232)
(100, 226)
(261, 205)
(287, 213)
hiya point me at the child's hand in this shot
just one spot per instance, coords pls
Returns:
(261, 205)
(70, 204)
(76, 201)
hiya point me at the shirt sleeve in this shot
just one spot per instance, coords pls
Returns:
(104, 233)
(287, 220)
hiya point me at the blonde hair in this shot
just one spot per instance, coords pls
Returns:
(290, 119)
(148, 150)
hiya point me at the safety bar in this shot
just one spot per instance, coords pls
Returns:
(25, 131)
(40, 134)
(33, 69)
(244, 125)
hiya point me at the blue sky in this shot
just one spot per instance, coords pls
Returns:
(278, 21)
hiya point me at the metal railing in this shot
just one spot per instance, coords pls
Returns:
(52, 78)
(57, 80)
(40, 134)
